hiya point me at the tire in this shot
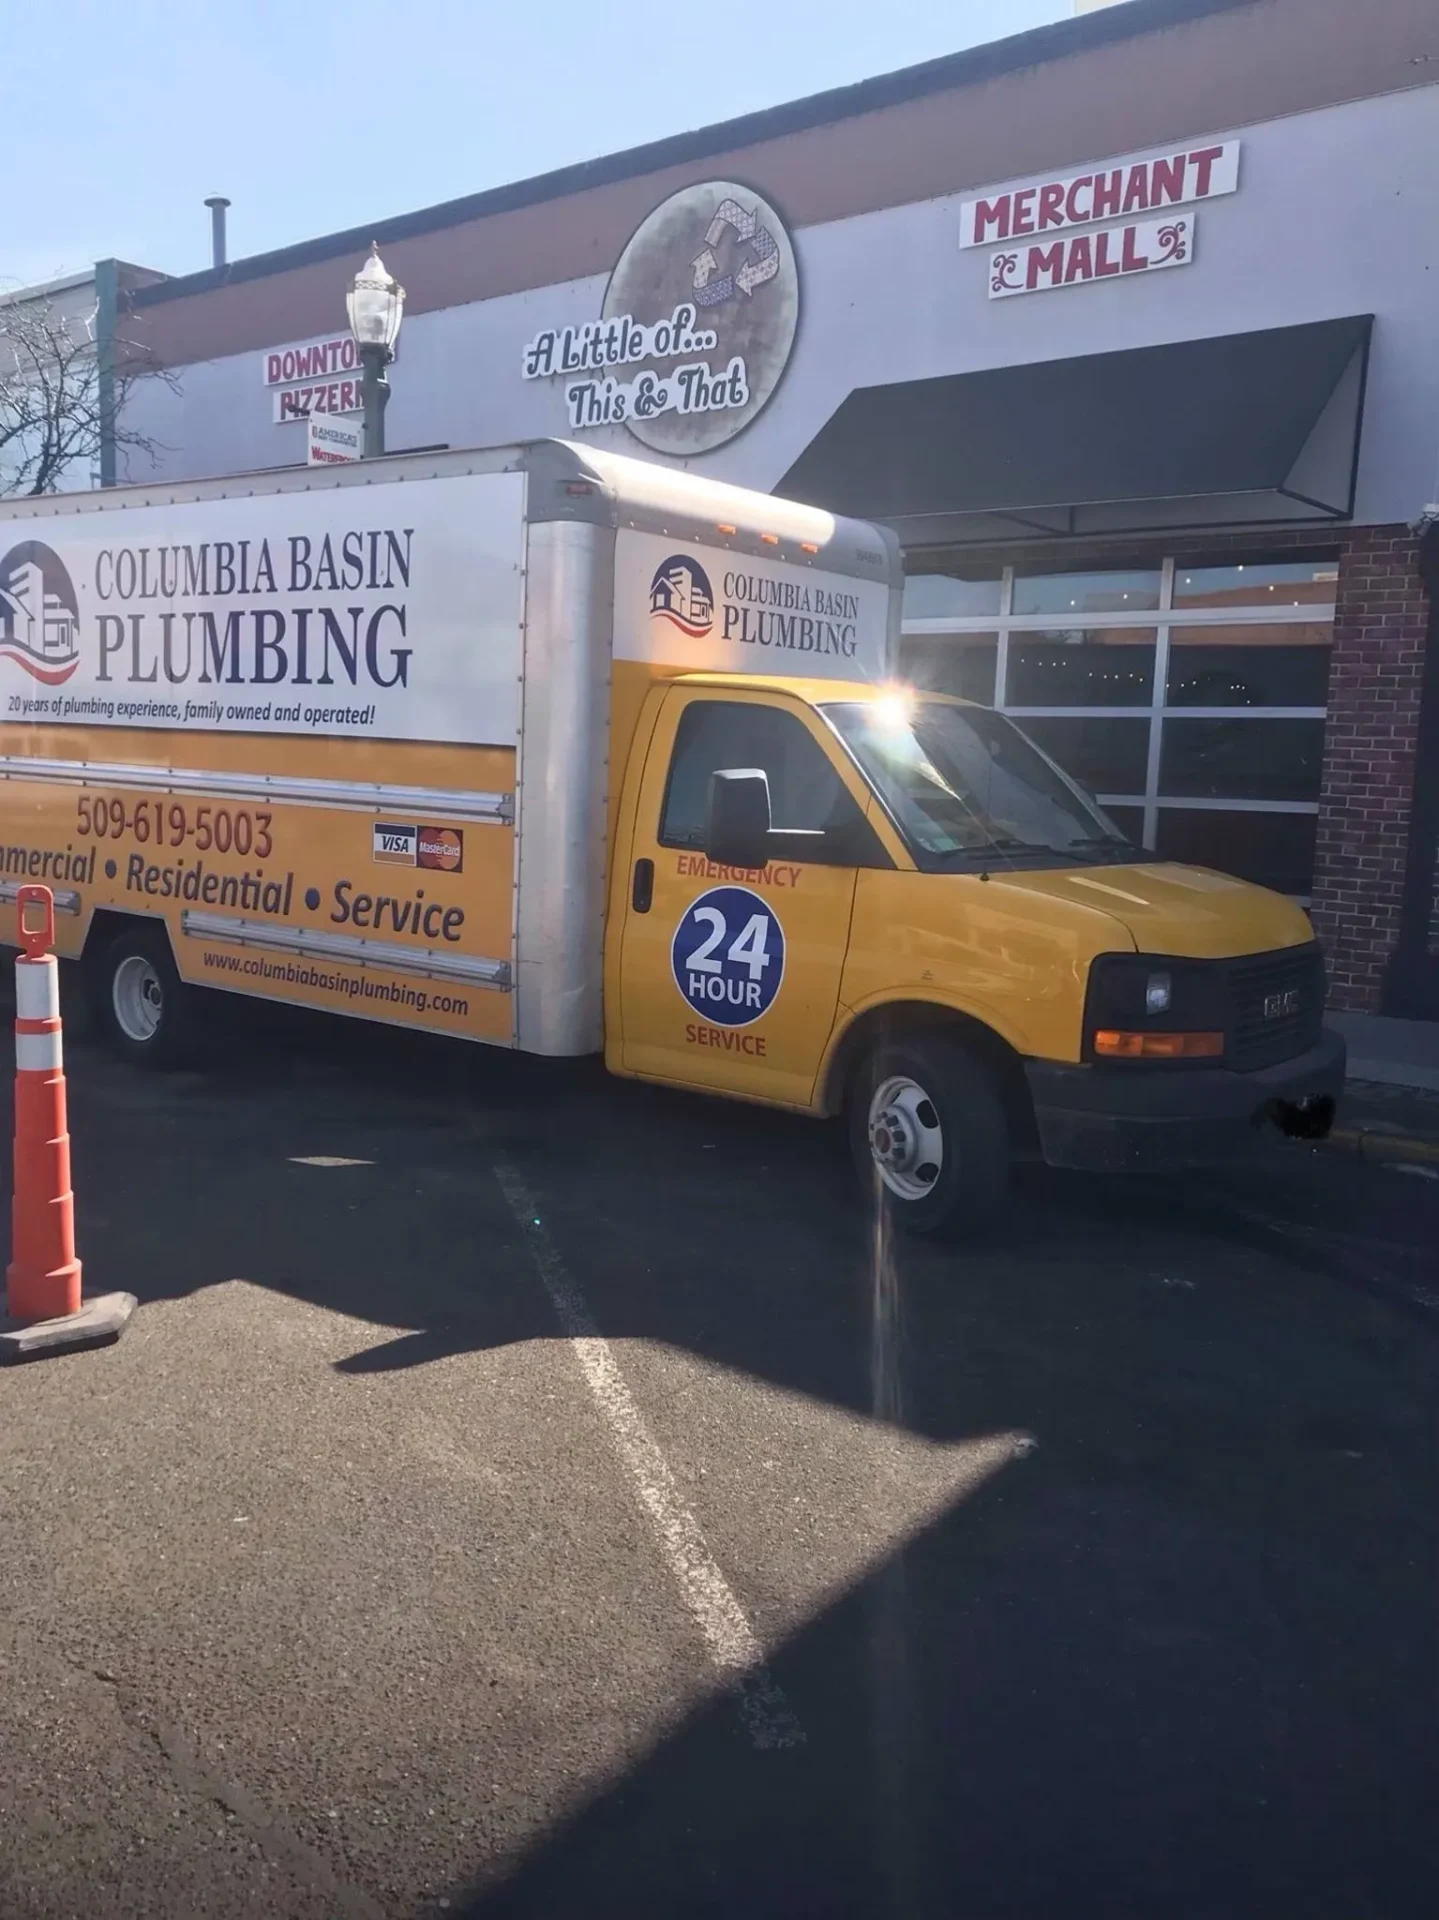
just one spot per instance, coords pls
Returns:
(929, 1136)
(144, 1010)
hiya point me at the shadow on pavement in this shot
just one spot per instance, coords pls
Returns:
(1180, 1662)
(1064, 1699)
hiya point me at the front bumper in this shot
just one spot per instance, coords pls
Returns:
(1117, 1118)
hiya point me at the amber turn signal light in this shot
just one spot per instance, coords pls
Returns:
(1112, 1045)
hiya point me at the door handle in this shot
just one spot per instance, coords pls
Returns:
(642, 893)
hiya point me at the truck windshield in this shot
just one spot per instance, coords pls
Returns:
(964, 785)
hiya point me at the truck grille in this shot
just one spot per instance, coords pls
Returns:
(1276, 1007)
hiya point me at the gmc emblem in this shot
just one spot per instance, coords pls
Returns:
(1276, 1005)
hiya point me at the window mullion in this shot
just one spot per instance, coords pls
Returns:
(1001, 651)
(1158, 693)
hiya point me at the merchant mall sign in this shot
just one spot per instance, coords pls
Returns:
(695, 329)
(1037, 223)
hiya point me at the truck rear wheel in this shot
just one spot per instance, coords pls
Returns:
(927, 1128)
(146, 1012)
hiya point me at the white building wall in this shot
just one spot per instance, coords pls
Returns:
(1337, 213)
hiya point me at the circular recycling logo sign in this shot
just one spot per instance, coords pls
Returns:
(712, 266)
(727, 956)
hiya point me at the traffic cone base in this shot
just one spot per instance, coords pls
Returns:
(100, 1319)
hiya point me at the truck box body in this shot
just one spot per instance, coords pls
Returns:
(356, 736)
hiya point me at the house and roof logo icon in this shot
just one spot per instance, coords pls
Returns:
(681, 593)
(39, 614)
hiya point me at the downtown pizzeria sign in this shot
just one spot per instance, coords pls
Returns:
(1042, 234)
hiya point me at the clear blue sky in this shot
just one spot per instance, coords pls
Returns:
(314, 115)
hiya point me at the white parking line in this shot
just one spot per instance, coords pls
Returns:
(733, 1647)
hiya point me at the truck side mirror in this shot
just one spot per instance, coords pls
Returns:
(737, 824)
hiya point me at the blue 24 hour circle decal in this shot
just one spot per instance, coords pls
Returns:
(727, 956)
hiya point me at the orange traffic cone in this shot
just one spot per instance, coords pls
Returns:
(43, 1304)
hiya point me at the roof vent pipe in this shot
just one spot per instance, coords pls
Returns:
(217, 204)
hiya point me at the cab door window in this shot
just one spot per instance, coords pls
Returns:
(806, 793)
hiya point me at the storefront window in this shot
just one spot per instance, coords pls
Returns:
(1282, 583)
(1268, 666)
(1272, 849)
(1081, 593)
(1081, 669)
(1130, 822)
(962, 665)
(1202, 734)
(935, 596)
(1242, 759)
(1106, 756)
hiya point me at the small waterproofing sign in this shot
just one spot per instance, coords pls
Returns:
(333, 440)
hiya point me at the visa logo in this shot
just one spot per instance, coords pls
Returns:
(394, 845)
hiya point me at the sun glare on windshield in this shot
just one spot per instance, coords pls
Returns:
(894, 709)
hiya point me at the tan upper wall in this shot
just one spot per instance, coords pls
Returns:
(1156, 78)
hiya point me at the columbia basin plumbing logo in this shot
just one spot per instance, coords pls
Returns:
(681, 593)
(39, 614)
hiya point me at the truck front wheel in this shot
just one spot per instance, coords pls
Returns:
(928, 1131)
(145, 1010)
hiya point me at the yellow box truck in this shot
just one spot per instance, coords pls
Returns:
(565, 752)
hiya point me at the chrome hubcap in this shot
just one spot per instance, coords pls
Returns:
(138, 997)
(905, 1137)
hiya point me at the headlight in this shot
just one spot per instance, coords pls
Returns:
(1135, 1010)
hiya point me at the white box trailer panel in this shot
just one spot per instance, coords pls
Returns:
(344, 610)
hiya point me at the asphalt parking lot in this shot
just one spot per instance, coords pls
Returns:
(520, 1493)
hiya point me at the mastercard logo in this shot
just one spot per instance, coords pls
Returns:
(442, 848)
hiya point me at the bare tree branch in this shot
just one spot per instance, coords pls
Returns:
(52, 405)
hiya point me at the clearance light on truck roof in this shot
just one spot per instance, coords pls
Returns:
(809, 546)
(1110, 1044)
(770, 539)
(721, 527)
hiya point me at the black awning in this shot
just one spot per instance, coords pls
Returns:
(1245, 429)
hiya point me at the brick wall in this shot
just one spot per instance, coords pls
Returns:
(1380, 624)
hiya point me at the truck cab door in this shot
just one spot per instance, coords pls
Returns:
(730, 979)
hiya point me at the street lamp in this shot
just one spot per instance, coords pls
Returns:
(377, 304)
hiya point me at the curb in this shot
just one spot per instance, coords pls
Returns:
(1369, 1143)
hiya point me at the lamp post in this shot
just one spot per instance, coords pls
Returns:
(377, 304)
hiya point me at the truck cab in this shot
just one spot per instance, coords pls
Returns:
(859, 899)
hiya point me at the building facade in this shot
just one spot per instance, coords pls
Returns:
(1126, 325)
(48, 339)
